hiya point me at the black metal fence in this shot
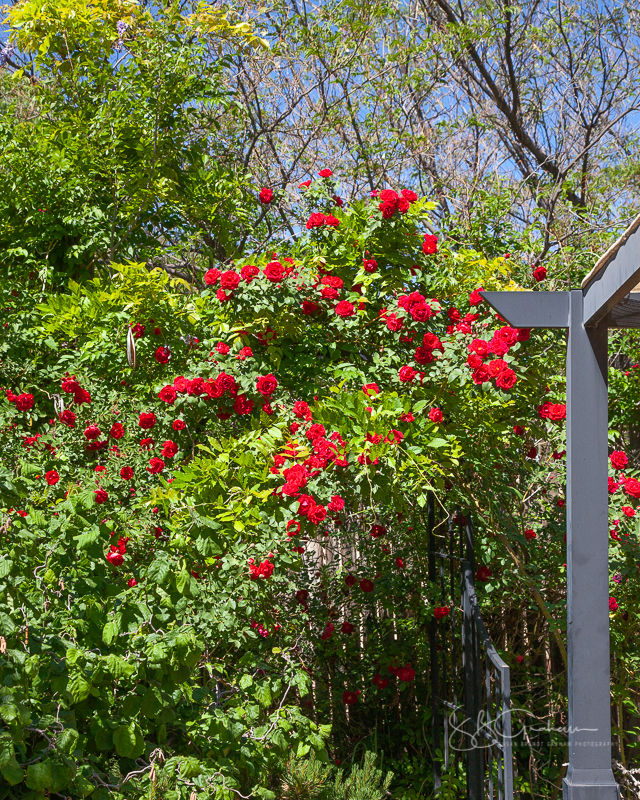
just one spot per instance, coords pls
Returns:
(471, 706)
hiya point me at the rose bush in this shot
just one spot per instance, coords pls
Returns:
(217, 556)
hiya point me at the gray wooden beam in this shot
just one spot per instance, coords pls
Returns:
(613, 280)
(531, 309)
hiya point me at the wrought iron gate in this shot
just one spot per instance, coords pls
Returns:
(470, 683)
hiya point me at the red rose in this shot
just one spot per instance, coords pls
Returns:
(162, 355)
(430, 244)
(115, 558)
(506, 379)
(369, 264)
(227, 383)
(345, 309)
(100, 496)
(399, 563)
(347, 628)
(350, 698)
(68, 418)
(423, 355)
(367, 585)
(632, 487)
(211, 276)
(70, 385)
(296, 477)
(331, 221)
(178, 425)
(539, 274)
(304, 184)
(316, 220)
(481, 375)
(156, 465)
(302, 410)
(406, 674)
(475, 298)
(557, 411)
(529, 534)
(380, 682)
(317, 515)
(325, 173)
(435, 415)
(336, 503)
(628, 511)
(146, 444)
(168, 394)
(406, 374)
(274, 271)
(350, 580)
(24, 402)
(132, 582)
(180, 384)
(169, 449)
(474, 360)
(316, 431)
(266, 385)
(613, 604)
(409, 195)
(117, 430)
(265, 196)
(388, 208)
(309, 307)
(91, 432)
(441, 612)
(483, 574)
(328, 631)
(262, 570)
(52, 477)
(480, 346)
(126, 473)
(147, 420)
(293, 528)
(377, 531)
(243, 405)
(229, 280)
(524, 334)
(496, 366)
(248, 273)
(498, 346)
(306, 504)
(508, 334)
(518, 430)
(618, 459)
(196, 387)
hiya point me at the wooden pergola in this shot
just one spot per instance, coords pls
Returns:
(608, 298)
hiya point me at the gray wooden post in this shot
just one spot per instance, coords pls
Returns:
(589, 775)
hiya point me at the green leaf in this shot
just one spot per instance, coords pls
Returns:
(12, 772)
(263, 694)
(7, 626)
(79, 687)
(5, 567)
(118, 667)
(128, 741)
(40, 776)
(67, 740)
(158, 570)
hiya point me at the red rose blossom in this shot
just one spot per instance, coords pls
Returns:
(430, 244)
(406, 374)
(367, 585)
(156, 465)
(100, 496)
(274, 272)
(162, 355)
(345, 309)
(266, 385)
(506, 379)
(147, 420)
(168, 394)
(618, 459)
(265, 196)
(52, 477)
(126, 473)
(68, 418)
(539, 273)
(248, 273)
(91, 432)
(169, 449)
(435, 415)
(211, 276)
(229, 280)
(117, 430)
(325, 173)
